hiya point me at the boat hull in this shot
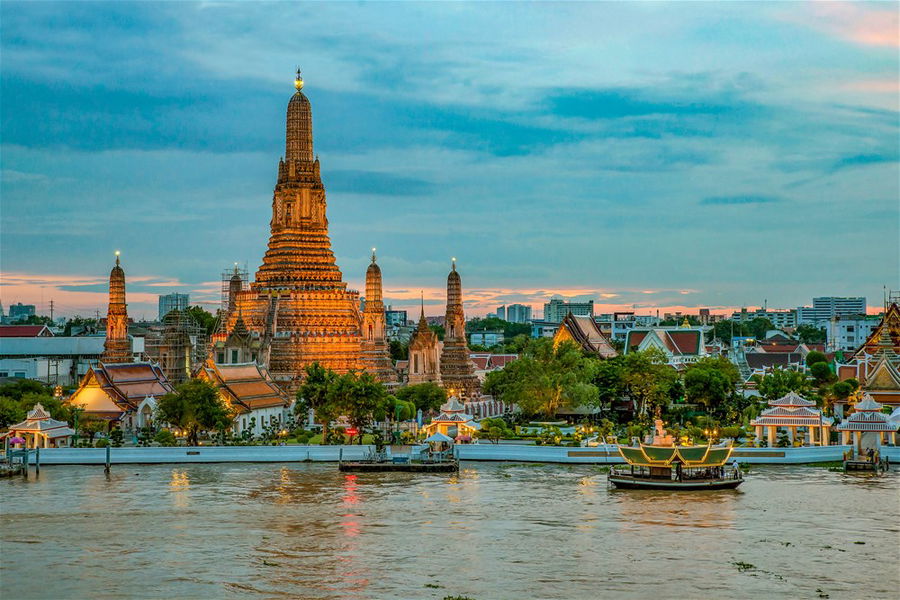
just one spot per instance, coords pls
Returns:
(387, 467)
(636, 483)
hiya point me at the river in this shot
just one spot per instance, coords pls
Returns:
(493, 531)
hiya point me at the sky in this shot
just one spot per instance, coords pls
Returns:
(646, 155)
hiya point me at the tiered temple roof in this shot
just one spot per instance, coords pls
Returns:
(41, 423)
(246, 386)
(110, 390)
(791, 410)
(888, 329)
(867, 416)
(585, 332)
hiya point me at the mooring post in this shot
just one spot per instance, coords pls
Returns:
(106, 468)
(37, 461)
(25, 463)
(340, 455)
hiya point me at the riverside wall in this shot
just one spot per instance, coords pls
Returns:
(599, 455)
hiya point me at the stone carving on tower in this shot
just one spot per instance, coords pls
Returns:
(424, 353)
(376, 356)
(117, 347)
(457, 369)
(299, 303)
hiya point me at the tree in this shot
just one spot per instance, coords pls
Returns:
(810, 334)
(194, 406)
(609, 382)
(815, 357)
(313, 393)
(841, 390)
(80, 324)
(779, 382)
(204, 318)
(17, 398)
(426, 397)
(358, 397)
(821, 371)
(759, 326)
(546, 379)
(438, 329)
(648, 380)
(493, 430)
(399, 350)
(711, 381)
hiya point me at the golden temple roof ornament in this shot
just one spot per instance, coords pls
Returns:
(373, 255)
(453, 266)
(298, 81)
(117, 256)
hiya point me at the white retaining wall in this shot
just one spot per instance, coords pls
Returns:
(477, 452)
(199, 454)
(609, 455)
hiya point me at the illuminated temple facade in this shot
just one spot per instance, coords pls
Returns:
(117, 347)
(457, 369)
(376, 357)
(299, 304)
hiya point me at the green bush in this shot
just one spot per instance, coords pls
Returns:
(101, 443)
(303, 438)
(732, 432)
(164, 437)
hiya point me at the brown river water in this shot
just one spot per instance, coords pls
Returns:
(495, 531)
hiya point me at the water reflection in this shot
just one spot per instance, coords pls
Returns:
(492, 531)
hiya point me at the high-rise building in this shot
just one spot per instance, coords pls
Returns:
(501, 312)
(778, 318)
(396, 318)
(170, 302)
(117, 347)
(457, 370)
(20, 312)
(556, 310)
(518, 313)
(826, 307)
(298, 302)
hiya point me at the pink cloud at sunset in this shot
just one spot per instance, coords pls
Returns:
(861, 23)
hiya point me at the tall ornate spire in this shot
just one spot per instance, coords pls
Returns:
(116, 347)
(457, 370)
(375, 354)
(298, 303)
(299, 141)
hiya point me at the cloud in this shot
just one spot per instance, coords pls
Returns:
(737, 200)
(867, 24)
(372, 183)
(862, 160)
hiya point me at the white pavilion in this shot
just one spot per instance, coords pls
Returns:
(793, 412)
(453, 420)
(868, 425)
(39, 430)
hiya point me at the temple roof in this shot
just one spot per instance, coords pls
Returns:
(792, 399)
(678, 342)
(247, 386)
(867, 417)
(886, 333)
(583, 330)
(665, 456)
(121, 386)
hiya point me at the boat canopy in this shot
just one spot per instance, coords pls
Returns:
(665, 456)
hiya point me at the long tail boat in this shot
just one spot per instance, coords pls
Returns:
(676, 468)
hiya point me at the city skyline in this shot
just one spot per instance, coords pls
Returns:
(171, 157)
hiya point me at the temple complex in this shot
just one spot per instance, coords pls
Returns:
(424, 353)
(299, 304)
(457, 369)
(453, 420)
(376, 357)
(876, 365)
(117, 347)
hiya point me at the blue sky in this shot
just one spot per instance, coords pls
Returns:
(643, 154)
